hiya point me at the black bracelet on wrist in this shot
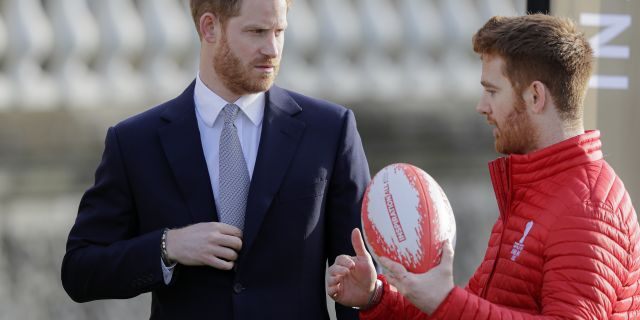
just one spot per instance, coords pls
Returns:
(376, 296)
(163, 249)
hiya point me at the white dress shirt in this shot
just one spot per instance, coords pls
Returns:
(210, 123)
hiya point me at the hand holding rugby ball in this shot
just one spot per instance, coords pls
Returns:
(407, 217)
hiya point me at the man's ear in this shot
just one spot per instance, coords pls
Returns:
(207, 27)
(535, 96)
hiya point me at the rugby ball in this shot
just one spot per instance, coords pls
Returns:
(406, 217)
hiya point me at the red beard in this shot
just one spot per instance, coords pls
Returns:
(516, 135)
(238, 78)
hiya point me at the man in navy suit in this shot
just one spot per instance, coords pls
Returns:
(202, 200)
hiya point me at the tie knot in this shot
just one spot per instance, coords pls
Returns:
(230, 113)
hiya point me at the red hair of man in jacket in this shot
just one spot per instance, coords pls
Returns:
(566, 243)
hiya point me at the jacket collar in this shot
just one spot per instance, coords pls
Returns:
(281, 134)
(543, 163)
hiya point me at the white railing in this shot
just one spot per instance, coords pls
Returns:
(123, 53)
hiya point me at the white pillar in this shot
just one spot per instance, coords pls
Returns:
(383, 34)
(461, 20)
(30, 43)
(77, 39)
(423, 40)
(341, 36)
(122, 40)
(192, 63)
(170, 34)
(301, 42)
(6, 92)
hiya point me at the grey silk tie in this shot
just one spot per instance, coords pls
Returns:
(234, 175)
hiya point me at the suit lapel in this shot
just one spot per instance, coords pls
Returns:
(281, 133)
(182, 145)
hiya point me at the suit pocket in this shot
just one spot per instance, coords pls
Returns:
(302, 191)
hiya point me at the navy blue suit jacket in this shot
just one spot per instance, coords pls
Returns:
(304, 200)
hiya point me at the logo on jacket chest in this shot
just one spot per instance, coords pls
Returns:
(518, 246)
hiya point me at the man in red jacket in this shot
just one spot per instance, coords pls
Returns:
(566, 244)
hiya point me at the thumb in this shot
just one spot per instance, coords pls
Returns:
(396, 269)
(447, 253)
(358, 243)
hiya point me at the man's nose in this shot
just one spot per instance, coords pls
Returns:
(271, 47)
(482, 107)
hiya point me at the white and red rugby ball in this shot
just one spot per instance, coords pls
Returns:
(406, 217)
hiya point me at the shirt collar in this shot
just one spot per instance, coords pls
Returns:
(209, 104)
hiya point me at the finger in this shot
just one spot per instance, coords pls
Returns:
(447, 253)
(219, 263)
(345, 261)
(393, 267)
(333, 280)
(228, 229)
(228, 241)
(224, 253)
(396, 279)
(358, 244)
(337, 270)
(333, 291)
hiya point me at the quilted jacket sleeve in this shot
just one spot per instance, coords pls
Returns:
(588, 255)
(392, 306)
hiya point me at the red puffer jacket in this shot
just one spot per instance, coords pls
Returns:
(566, 245)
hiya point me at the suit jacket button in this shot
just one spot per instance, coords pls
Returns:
(237, 287)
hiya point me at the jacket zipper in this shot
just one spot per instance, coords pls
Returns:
(503, 196)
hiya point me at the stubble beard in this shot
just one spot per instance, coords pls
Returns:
(238, 78)
(516, 135)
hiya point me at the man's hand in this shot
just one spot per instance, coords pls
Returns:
(352, 280)
(210, 243)
(425, 291)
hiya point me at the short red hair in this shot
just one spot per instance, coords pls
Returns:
(544, 48)
(223, 9)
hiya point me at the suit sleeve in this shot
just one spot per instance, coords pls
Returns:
(106, 258)
(586, 256)
(348, 181)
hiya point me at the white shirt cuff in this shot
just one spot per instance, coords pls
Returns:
(167, 271)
